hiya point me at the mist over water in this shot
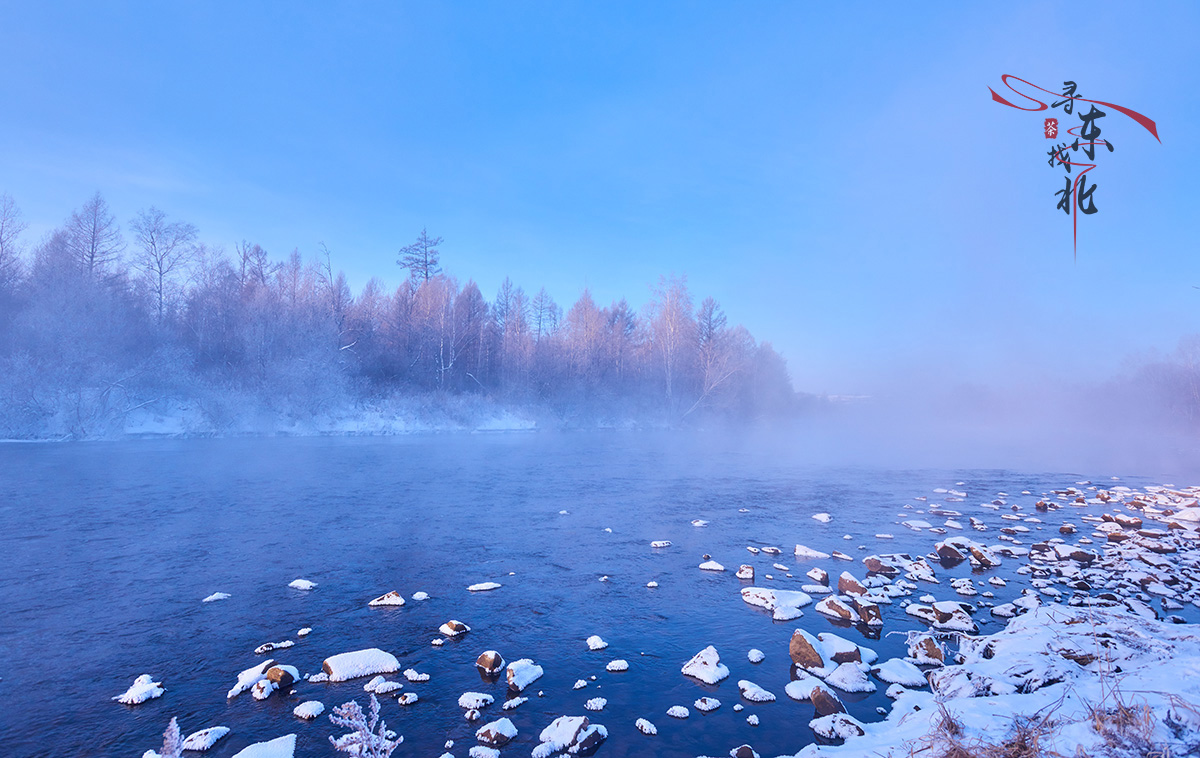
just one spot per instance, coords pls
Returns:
(111, 546)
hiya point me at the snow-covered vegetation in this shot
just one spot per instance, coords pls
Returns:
(109, 329)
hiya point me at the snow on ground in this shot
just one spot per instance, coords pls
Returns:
(1096, 680)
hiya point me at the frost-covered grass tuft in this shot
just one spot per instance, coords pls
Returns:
(369, 737)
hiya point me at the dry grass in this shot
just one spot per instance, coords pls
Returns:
(1024, 738)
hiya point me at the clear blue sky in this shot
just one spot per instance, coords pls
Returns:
(836, 175)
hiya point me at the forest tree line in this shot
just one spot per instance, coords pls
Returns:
(99, 319)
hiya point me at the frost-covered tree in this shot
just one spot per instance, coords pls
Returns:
(87, 338)
(94, 238)
(546, 315)
(421, 258)
(11, 226)
(369, 736)
(164, 248)
(672, 332)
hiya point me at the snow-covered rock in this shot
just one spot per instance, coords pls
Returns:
(484, 587)
(754, 655)
(496, 733)
(268, 647)
(837, 726)
(849, 677)
(454, 628)
(216, 596)
(803, 553)
(571, 734)
(706, 704)
(391, 598)
(489, 662)
(474, 700)
(706, 666)
(205, 738)
(143, 688)
(899, 671)
(596, 643)
(413, 675)
(249, 678)
(645, 727)
(677, 712)
(354, 664)
(523, 673)
(280, 747)
(752, 692)
(595, 704)
(617, 665)
(801, 688)
(711, 566)
(302, 584)
(309, 710)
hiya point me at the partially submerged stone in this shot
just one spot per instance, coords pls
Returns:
(392, 598)
(706, 666)
(354, 664)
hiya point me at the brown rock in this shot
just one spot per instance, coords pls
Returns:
(848, 585)
(1067, 529)
(1117, 536)
(1129, 522)
(803, 653)
(949, 553)
(985, 558)
(819, 575)
(743, 751)
(590, 741)
(930, 649)
(489, 662)
(868, 612)
(281, 676)
(832, 607)
(489, 736)
(876, 566)
(825, 702)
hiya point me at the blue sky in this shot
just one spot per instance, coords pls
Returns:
(836, 175)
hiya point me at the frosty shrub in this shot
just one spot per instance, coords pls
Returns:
(369, 738)
(172, 741)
